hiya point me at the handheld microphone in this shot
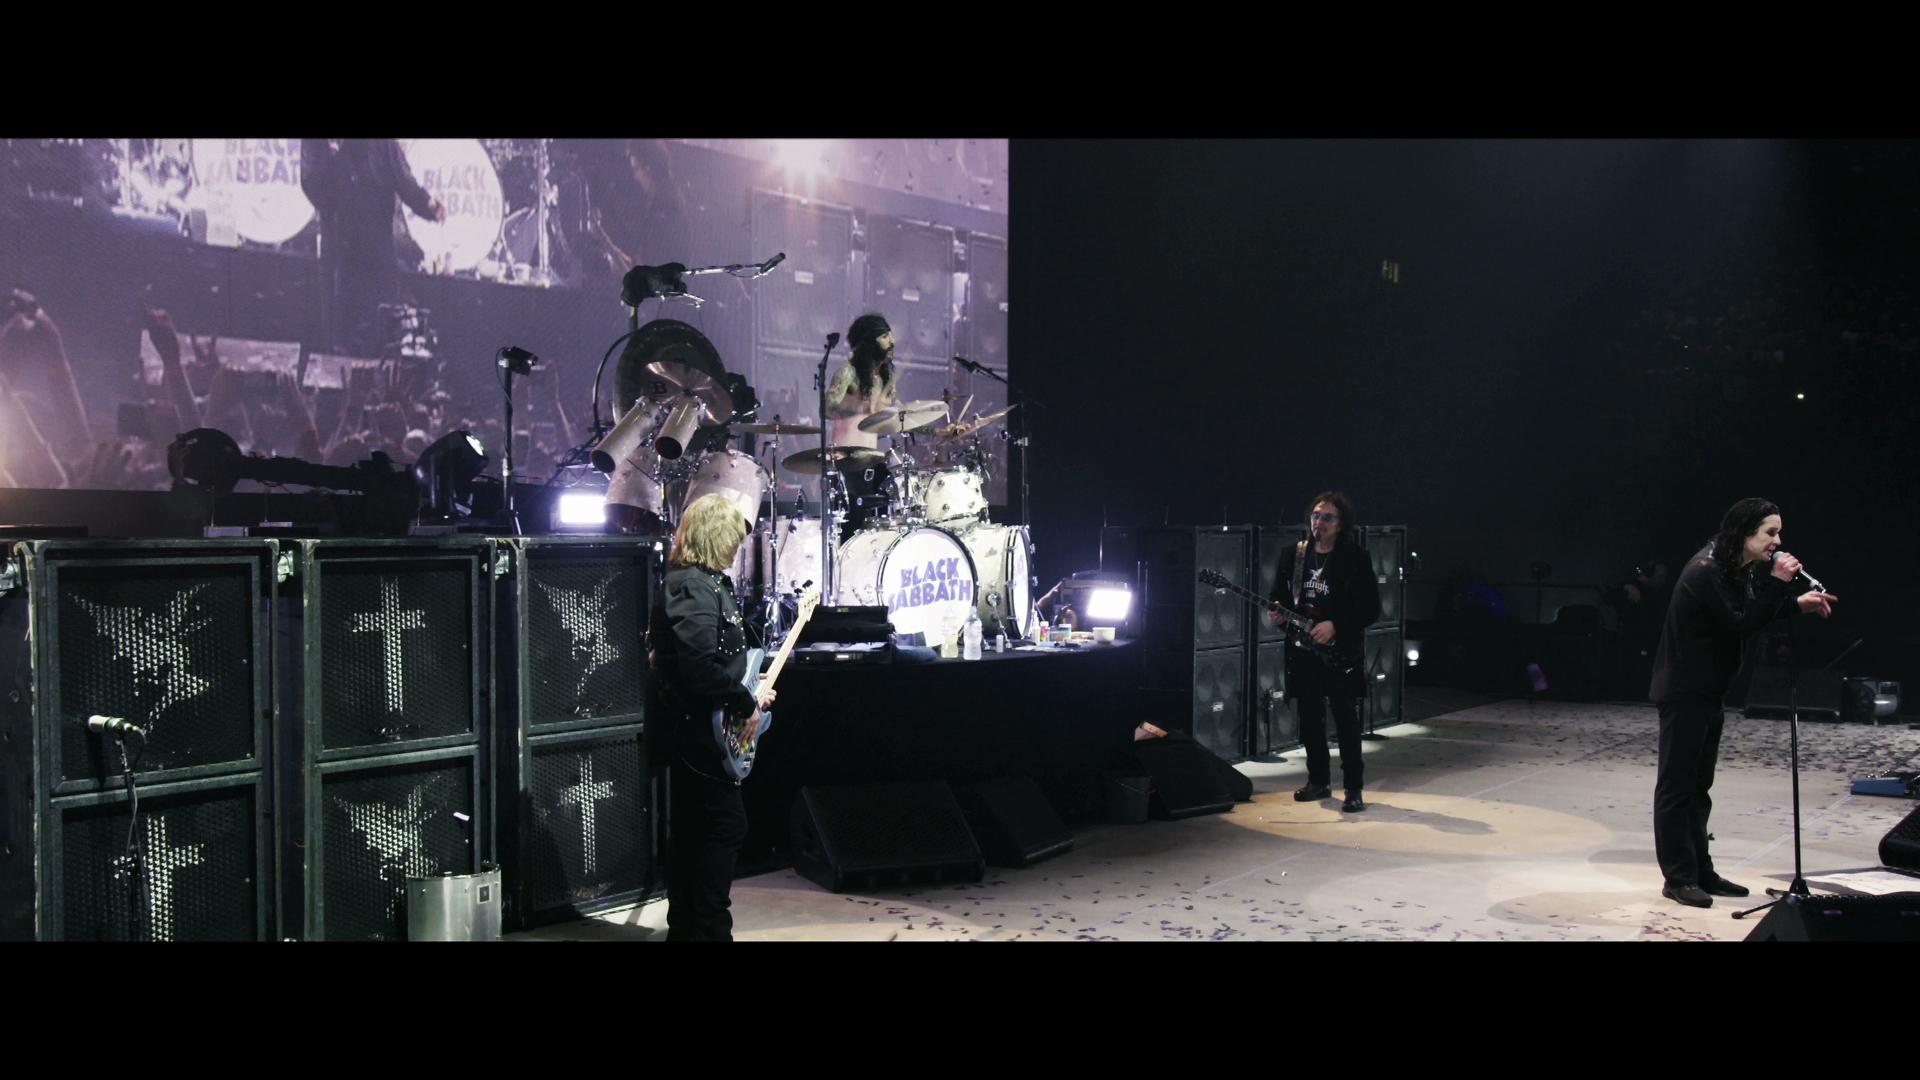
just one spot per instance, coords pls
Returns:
(1801, 573)
(114, 725)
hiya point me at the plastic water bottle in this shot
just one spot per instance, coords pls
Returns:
(970, 637)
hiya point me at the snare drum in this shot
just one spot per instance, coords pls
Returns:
(953, 496)
(459, 174)
(1002, 556)
(923, 577)
(732, 475)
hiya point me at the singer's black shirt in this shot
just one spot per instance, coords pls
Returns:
(1713, 613)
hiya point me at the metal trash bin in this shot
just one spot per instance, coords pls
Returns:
(454, 907)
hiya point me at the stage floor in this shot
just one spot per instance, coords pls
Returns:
(1510, 821)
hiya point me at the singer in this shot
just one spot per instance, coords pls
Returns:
(1729, 590)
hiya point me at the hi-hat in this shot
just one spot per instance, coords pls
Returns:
(807, 462)
(909, 416)
(668, 358)
(777, 429)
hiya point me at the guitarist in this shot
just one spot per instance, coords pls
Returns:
(698, 648)
(1330, 575)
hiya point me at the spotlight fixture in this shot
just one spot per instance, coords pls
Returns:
(582, 508)
(446, 471)
(1100, 599)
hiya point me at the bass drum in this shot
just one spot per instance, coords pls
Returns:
(1003, 555)
(923, 577)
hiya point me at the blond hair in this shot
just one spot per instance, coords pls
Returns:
(709, 535)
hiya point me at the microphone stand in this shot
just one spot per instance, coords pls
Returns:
(828, 527)
(510, 366)
(1024, 440)
(1798, 890)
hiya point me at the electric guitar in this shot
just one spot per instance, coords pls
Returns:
(1341, 655)
(738, 744)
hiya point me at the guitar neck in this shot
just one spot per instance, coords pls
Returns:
(1290, 616)
(786, 650)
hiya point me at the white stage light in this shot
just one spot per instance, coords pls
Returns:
(583, 508)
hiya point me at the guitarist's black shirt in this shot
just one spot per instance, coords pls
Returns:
(1340, 585)
(699, 649)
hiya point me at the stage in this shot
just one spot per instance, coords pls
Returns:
(1501, 821)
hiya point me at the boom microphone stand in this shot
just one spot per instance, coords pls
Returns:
(1797, 891)
(829, 528)
(1025, 439)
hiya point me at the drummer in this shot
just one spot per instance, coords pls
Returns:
(865, 385)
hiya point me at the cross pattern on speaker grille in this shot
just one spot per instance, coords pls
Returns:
(164, 861)
(584, 616)
(584, 793)
(157, 644)
(390, 622)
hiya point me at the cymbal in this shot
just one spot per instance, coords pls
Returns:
(668, 358)
(807, 462)
(978, 422)
(777, 429)
(908, 416)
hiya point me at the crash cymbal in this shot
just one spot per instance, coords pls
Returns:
(948, 431)
(807, 462)
(777, 429)
(668, 358)
(908, 416)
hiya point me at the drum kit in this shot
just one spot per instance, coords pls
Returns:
(931, 555)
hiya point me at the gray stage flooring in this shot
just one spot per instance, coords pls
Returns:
(1508, 821)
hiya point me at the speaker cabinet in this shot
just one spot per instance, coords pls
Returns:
(1013, 822)
(385, 671)
(577, 802)
(869, 837)
(174, 638)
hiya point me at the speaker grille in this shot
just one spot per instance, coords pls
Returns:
(586, 648)
(1219, 701)
(1386, 549)
(589, 829)
(201, 879)
(1269, 705)
(168, 646)
(396, 651)
(379, 827)
(1384, 654)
